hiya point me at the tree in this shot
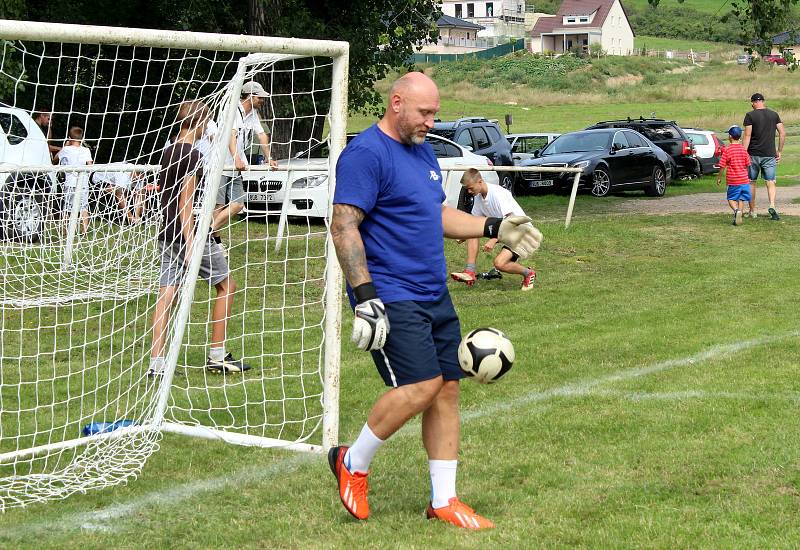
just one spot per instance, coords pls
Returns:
(382, 33)
(760, 20)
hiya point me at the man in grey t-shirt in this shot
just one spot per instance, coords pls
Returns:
(760, 126)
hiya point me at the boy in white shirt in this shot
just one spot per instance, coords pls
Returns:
(493, 201)
(246, 127)
(76, 184)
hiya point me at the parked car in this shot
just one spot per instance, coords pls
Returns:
(306, 178)
(482, 137)
(612, 159)
(523, 145)
(24, 197)
(668, 136)
(775, 59)
(744, 59)
(708, 149)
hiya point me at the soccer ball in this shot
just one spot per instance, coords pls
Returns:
(485, 354)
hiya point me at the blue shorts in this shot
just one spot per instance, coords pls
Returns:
(764, 166)
(422, 344)
(739, 192)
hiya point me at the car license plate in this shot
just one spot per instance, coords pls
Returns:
(541, 183)
(261, 197)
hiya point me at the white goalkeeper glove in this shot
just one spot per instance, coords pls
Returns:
(514, 232)
(370, 325)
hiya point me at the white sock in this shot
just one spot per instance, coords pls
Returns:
(443, 481)
(157, 364)
(216, 354)
(360, 455)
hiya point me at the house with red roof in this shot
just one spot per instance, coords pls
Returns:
(579, 23)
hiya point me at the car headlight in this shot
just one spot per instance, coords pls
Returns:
(310, 181)
(582, 164)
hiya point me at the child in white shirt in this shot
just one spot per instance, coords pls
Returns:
(76, 184)
(492, 201)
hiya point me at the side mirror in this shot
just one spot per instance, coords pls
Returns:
(536, 153)
(468, 148)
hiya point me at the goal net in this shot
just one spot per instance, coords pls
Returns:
(82, 266)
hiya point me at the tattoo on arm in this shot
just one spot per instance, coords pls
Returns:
(349, 246)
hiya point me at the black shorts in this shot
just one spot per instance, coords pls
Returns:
(514, 256)
(422, 343)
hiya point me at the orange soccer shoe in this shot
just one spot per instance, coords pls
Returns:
(353, 488)
(459, 514)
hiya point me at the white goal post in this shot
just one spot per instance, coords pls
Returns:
(81, 264)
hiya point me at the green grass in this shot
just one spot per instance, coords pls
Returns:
(652, 405)
(677, 44)
(706, 6)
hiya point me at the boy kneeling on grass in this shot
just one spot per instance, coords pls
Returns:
(734, 163)
(492, 201)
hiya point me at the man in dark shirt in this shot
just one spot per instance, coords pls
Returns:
(181, 172)
(42, 120)
(760, 126)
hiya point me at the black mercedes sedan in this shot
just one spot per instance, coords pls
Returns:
(612, 159)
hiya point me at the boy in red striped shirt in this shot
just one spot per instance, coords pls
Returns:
(734, 164)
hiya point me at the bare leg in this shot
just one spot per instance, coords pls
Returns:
(733, 204)
(166, 299)
(395, 407)
(223, 214)
(771, 192)
(503, 263)
(752, 196)
(223, 305)
(441, 425)
(472, 250)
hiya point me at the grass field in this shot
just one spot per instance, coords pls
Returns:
(651, 405)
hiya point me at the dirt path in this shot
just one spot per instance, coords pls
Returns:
(713, 203)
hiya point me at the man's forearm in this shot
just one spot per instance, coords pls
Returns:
(348, 243)
(460, 225)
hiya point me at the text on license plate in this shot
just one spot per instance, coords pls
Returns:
(261, 197)
(541, 183)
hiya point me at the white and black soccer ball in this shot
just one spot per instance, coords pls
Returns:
(485, 354)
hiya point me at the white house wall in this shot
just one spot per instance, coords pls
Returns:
(617, 34)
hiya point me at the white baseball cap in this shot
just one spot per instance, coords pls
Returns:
(254, 88)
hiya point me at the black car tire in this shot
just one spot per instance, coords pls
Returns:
(658, 182)
(22, 215)
(601, 182)
(507, 182)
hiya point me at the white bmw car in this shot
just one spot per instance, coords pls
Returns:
(305, 177)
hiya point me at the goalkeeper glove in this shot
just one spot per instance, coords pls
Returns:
(515, 232)
(370, 325)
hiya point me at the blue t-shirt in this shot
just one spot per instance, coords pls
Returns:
(399, 188)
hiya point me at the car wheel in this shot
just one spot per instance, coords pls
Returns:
(21, 215)
(507, 181)
(658, 183)
(601, 183)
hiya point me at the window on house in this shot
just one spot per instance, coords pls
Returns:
(584, 19)
(570, 19)
(489, 9)
(459, 12)
(470, 10)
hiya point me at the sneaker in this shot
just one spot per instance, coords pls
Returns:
(491, 274)
(353, 488)
(773, 214)
(153, 373)
(751, 214)
(527, 282)
(228, 365)
(737, 217)
(465, 276)
(458, 513)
